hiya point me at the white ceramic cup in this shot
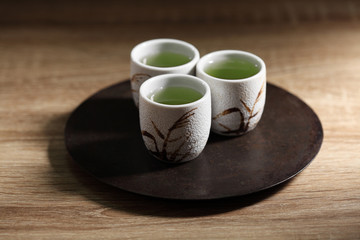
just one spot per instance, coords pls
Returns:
(237, 105)
(175, 133)
(140, 72)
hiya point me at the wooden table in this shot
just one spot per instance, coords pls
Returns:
(47, 70)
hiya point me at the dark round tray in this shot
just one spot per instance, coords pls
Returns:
(103, 136)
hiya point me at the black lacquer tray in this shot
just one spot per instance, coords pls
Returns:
(103, 136)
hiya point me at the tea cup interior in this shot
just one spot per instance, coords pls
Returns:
(156, 46)
(156, 84)
(220, 57)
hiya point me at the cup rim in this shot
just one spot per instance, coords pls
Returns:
(193, 61)
(200, 65)
(206, 95)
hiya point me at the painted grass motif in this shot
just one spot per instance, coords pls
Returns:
(139, 78)
(163, 153)
(243, 125)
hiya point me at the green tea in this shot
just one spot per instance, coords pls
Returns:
(176, 95)
(166, 59)
(232, 68)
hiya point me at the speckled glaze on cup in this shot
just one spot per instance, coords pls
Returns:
(237, 105)
(140, 72)
(175, 133)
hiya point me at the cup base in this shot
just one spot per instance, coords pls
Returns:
(175, 161)
(233, 133)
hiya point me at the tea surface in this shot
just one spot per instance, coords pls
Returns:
(232, 68)
(166, 59)
(176, 95)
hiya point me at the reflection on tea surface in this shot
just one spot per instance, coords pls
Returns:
(232, 68)
(166, 59)
(176, 95)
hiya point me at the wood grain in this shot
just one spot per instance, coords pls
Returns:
(159, 11)
(47, 70)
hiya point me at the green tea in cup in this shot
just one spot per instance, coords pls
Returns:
(166, 59)
(232, 68)
(176, 95)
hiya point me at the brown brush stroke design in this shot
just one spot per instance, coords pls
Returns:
(174, 156)
(137, 78)
(157, 130)
(243, 126)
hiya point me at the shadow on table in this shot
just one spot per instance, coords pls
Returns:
(69, 178)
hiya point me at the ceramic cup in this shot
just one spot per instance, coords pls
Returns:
(140, 72)
(237, 105)
(175, 133)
